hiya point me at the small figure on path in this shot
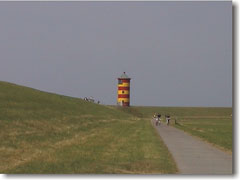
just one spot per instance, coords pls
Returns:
(167, 119)
(159, 118)
(155, 118)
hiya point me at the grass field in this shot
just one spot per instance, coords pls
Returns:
(213, 125)
(48, 133)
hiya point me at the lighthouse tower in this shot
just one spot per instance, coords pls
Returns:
(123, 90)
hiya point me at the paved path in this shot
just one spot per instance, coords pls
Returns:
(192, 155)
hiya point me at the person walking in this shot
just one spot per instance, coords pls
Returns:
(159, 119)
(155, 118)
(168, 119)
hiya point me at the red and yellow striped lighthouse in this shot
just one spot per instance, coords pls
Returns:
(123, 90)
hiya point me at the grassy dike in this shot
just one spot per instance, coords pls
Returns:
(213, 125)
(48, 133)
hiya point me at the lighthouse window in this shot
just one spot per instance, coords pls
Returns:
(123, 92)
(119, 81)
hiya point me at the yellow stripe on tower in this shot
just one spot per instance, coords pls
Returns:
(124, 85)
(123, 99)
(123, 92)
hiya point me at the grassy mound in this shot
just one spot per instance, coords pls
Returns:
(48, 133)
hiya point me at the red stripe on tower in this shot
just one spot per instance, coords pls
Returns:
(123, 96)
(125, 80)
(123, 88)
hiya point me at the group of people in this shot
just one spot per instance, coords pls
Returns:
(157, 118)
(91, 100)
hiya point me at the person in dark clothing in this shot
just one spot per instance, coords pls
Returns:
(168, 119)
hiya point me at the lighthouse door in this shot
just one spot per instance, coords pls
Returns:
(122, 102)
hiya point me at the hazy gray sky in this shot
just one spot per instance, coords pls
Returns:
(177, 53)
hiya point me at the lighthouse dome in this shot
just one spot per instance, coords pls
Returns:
(124, 76)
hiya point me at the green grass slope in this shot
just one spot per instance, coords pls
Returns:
(213, 125)
(47, 133)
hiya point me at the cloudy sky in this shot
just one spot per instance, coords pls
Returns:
(177, 53)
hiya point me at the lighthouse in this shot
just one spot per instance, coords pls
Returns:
(123, 90)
